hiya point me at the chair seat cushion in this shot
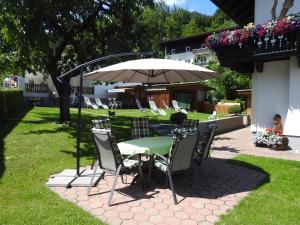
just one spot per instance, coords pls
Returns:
(161, 165)
(130, 163)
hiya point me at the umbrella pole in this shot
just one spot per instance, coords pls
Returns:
(79, 125)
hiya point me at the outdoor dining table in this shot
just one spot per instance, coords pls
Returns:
(146, 146)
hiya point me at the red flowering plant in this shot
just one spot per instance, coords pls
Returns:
(269, 138)
(242, 36)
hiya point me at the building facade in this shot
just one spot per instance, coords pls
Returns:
(273, 62)
(189, 49)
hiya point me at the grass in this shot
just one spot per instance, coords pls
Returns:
(275, 202)
(33, 146)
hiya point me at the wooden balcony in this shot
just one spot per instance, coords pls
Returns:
(259, 50)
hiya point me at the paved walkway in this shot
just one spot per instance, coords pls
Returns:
(203, 196)
(240, 142)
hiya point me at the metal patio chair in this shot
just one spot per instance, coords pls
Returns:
(109, 159)
(140, 127)
(202, 150)
(180, 156)
(189, 123)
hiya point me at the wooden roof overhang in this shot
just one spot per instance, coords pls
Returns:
(241, 12)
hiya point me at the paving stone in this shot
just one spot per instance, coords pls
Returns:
(126, 215)
(173, 221)
(202, 197)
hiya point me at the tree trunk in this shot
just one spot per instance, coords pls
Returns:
(63, 88)
(64, 104)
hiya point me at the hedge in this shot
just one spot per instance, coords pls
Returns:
(11, 101)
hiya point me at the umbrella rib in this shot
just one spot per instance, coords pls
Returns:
(131, 76)
(165, 76)
(116, 76)
(180, 76)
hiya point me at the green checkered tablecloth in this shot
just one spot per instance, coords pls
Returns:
(149, 145)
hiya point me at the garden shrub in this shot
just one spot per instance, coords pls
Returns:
(178, 118)
(235, 109)
(11, 101)
(242, 103)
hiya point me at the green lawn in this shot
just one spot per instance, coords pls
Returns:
(33, 146)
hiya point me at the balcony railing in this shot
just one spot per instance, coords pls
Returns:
(201, 51)
(259, 50)
(85, 90)
(37, 88)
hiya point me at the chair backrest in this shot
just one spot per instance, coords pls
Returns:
(138, 103)
(175, 104)
(108, 154)
(189, 123)
(87, 101)
(182, 152)
(208, 137)
(102, 123)
(164, 104)
(98, 101)
(140, 127)
(153, 106)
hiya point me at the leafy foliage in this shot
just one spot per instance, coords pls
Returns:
(235, 109)
(225, 86)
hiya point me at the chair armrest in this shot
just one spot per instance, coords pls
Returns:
(130, 156)
(161, 157)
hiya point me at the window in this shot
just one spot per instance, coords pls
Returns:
(187, 49)
(173, 51)
(202, 61)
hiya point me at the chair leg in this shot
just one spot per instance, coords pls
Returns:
(114, 184)
(172, 186)
(93, 177)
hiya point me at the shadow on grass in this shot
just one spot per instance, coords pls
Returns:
(7, 125)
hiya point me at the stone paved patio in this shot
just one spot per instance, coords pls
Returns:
(203, 195)
(240, 141)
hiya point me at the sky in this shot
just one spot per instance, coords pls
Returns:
(202, 6)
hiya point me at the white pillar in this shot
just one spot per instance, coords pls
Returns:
(292, 123)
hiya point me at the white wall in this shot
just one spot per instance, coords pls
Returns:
(270, 94)
(292, 123)
(263, 9)
(182, 56)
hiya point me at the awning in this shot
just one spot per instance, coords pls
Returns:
(157, 89)
(118, 90)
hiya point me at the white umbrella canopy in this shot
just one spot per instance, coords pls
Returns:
(151, 71)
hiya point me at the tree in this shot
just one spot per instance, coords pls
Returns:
(50, 36)
(225, 86)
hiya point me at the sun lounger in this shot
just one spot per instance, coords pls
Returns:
(156, 110)
(100, 104)
(165, 105)
(213, 116)
(89, 104)
(177, 108)
(140, 105)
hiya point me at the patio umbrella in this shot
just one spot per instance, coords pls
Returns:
(151, 71)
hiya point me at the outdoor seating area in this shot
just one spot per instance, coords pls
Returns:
(154, 112)
(202, 195)
(160, 176)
